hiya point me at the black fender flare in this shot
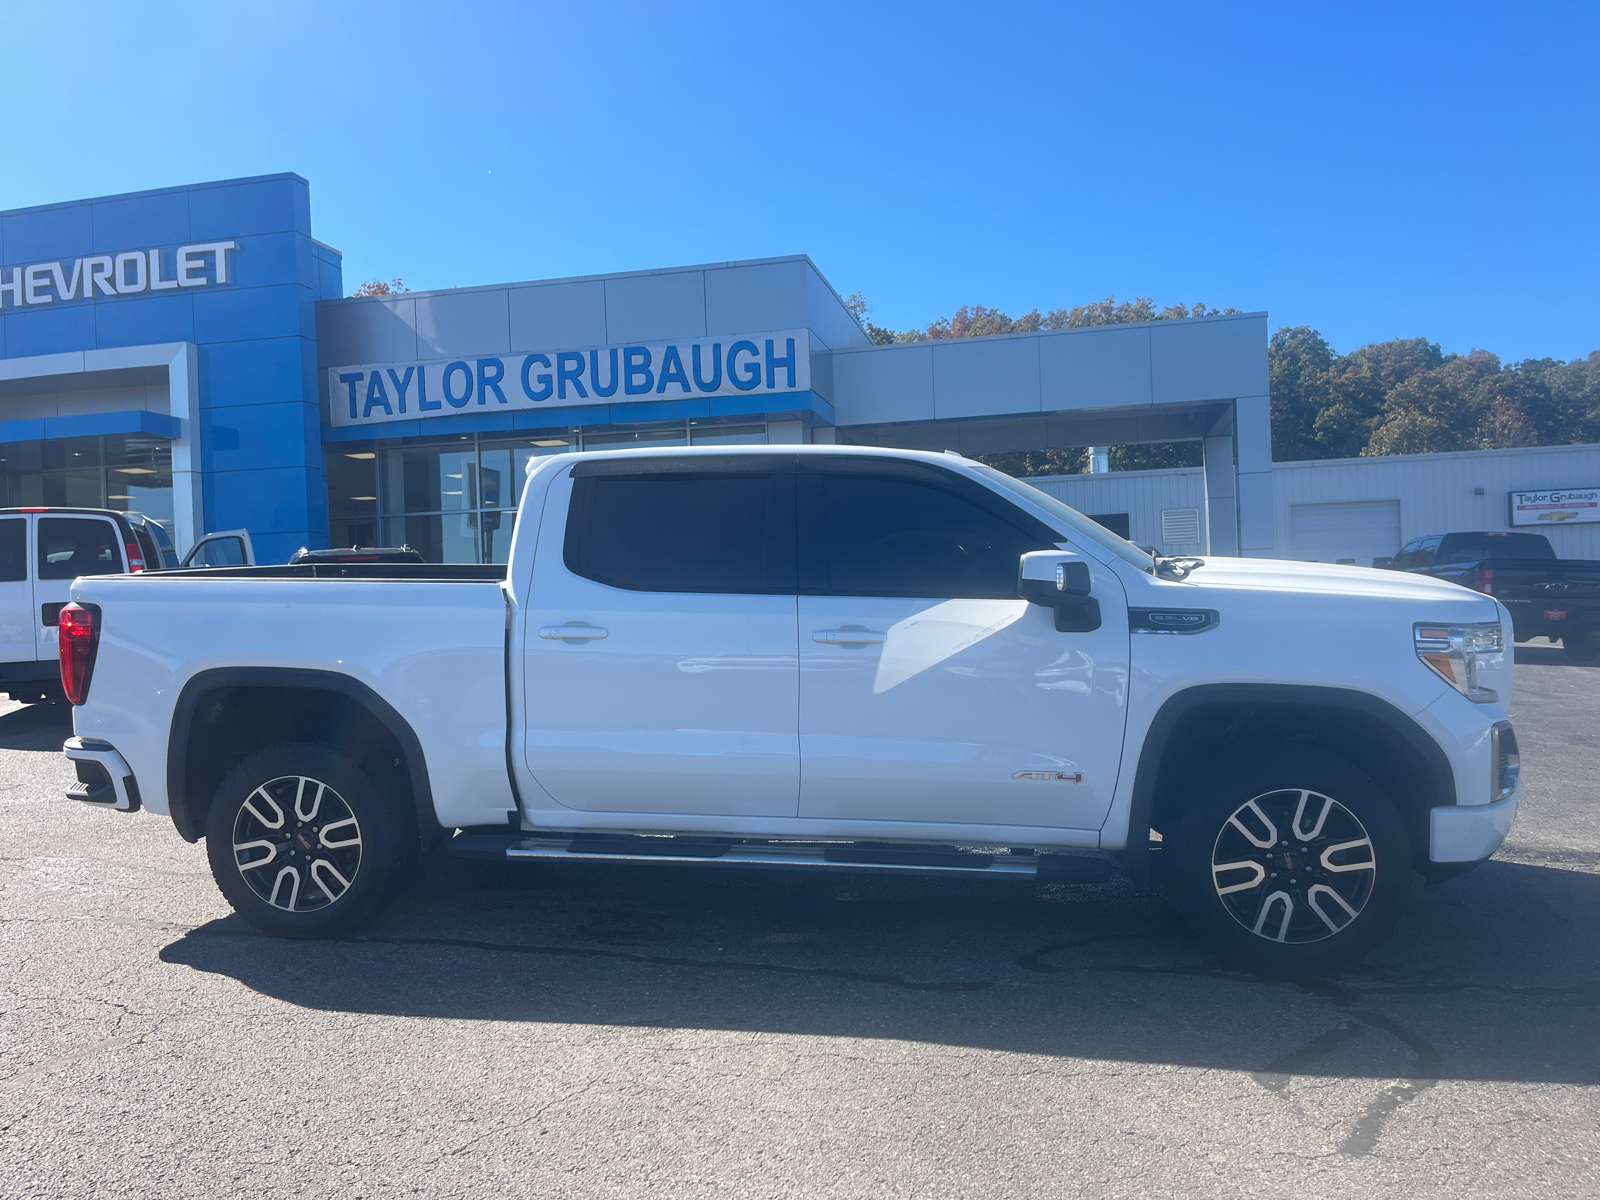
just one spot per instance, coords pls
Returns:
(1136, 856)
(183, 814)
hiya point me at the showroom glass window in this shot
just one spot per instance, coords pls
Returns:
(129, 472)
(455, 500)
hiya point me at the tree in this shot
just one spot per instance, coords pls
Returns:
(1402, 396)
(377, 287)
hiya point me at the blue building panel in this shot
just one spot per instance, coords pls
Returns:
(142, 320)
(660, 410)
(254, 312)
(393, 429)
(133, 420)
(253, 436)
(38, 234)
(262, 371)
(57, 329)
(136, 222)
(21, 431)
(271, 258)
(270, 204)
(563, 418)
(274, 500)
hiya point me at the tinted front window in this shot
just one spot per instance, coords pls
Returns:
(729, 533)
(223, 552)
(898, 537)
(13, 549)
(74, 546)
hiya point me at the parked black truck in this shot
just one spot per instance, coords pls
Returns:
(1550, 597)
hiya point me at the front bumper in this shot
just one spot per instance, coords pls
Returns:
(104, 777)
(1459, 833)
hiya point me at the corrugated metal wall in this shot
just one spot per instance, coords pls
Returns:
(1143, 495)
(1436, 493)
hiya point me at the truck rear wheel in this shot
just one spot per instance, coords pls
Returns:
(302, 844)
(1582, 648)
(1289, 859)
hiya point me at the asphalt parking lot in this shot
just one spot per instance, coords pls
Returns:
(572, 1030)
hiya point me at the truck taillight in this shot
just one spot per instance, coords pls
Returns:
(135, 556)
(78, 636)
(1483, 581)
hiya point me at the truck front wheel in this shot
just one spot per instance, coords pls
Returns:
(302, 844)
(1289, 859)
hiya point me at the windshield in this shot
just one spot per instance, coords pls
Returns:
(1070, 517)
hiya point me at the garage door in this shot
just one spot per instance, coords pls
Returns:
(1357, 530)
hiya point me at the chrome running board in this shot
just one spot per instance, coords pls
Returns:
(830, 856)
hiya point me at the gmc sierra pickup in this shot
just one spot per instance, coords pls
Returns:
(824, 658)
(1548, 597)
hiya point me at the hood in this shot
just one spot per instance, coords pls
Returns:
(1284, 575)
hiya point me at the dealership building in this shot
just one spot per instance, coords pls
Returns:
(190, 353)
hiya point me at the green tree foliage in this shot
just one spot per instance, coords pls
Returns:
(1406, 396)
(1403, 396)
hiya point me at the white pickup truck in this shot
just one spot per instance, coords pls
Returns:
(825, 658)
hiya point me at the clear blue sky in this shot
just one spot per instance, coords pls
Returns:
(1370, 170)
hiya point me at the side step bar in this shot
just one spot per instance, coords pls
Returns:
(834, 856)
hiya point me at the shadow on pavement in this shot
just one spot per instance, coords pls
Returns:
(36, 727)
(1494, 976)
(1543, 655)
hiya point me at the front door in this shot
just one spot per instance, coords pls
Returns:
(661, 674)
(929, 692)
(16, 593)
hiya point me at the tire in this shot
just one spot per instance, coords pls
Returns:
(1582, 648)
(1291, 902)
(300, 863)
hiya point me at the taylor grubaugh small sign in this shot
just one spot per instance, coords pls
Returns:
(1558, 506)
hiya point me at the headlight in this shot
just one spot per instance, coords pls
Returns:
(1454, 651)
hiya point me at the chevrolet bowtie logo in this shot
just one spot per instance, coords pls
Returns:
(1050, 776)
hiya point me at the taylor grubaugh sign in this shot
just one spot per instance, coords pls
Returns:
(1558, 506)
(744, 364)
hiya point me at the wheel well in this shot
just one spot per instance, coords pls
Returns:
(218, 726)
(1366, 732)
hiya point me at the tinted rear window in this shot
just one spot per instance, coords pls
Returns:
(684, 532)
(1476, 547)
(74, 546)
(13, 549)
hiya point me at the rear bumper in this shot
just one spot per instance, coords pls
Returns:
(104, 777)
(1461, 833)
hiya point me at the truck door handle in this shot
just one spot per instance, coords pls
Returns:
(849, 637)
(572, 633)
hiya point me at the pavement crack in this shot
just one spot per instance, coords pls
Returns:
(522, 948)
(1034, 960)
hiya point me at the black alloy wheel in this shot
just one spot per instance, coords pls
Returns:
(1290, 858)
(303, 845)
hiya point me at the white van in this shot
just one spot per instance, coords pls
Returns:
(42, 550)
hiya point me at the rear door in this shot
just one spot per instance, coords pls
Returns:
(65, 548)
(16, 592)
(929, 691)
(661, 673)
